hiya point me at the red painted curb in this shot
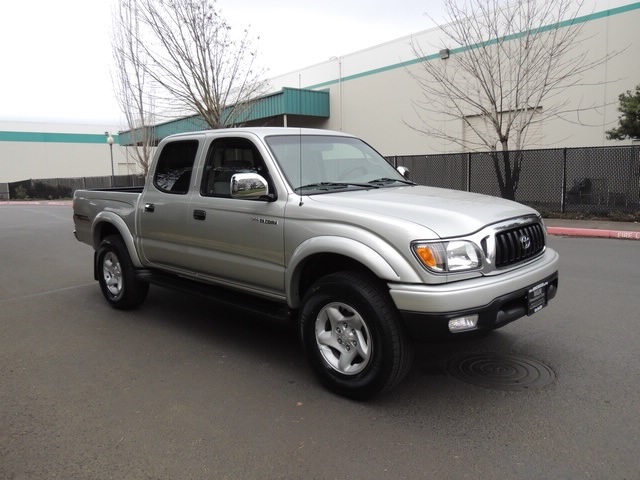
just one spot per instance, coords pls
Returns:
(594, 232)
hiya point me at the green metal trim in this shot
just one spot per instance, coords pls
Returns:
(161, 130)
(291, 101)
(408, 63)
(46, 137)
(188, 124)
(288, 101)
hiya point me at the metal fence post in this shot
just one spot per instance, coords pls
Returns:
(564, 180)
(468, 171)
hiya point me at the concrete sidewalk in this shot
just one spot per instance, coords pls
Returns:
(555, 226)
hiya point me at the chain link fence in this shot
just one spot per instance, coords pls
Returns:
(594, 180)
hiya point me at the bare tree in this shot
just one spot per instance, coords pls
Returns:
(133, 85)
(502, 70)
(200, 66)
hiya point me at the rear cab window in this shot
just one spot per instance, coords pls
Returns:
(175, 166)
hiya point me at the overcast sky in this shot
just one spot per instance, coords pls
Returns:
(56, 55)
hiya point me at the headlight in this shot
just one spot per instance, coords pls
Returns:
(445, 257)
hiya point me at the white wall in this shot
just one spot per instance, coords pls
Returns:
(373, 94)
(84, 154)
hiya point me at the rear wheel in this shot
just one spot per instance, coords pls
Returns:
(116, 275)
(352, 335)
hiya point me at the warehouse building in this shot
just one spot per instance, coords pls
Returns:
(55, 150)
(370, 93)
(373, 93)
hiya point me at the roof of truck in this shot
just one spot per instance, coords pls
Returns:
(259, 132)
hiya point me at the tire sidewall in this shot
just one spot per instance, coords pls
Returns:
(348, 289)
(133, 292)
(107, 246)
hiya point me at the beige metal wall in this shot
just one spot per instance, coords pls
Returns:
(373, 94)
(53, 150)
(25, 160)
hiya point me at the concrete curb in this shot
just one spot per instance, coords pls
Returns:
(594, 233)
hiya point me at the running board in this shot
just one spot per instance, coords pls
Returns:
(222, 295)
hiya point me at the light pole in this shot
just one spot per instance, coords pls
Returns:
(110, 142)
(339, 59)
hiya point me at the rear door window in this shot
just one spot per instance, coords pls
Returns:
(226, 157)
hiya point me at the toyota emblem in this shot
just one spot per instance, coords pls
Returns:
(525, 241)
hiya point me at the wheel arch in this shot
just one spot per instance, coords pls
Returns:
(109, 223)
(321, 256)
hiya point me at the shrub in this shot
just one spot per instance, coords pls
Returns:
(21, 192)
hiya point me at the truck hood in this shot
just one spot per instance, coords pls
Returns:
(448, 213)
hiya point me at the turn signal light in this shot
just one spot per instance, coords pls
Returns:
(432, 256)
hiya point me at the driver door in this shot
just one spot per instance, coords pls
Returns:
(233, 241)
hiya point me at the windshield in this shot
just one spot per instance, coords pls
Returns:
(322, 163)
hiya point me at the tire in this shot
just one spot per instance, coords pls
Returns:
(352, 335)
(117, 276)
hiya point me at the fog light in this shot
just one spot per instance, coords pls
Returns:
(463, 324)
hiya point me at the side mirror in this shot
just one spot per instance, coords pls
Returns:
(404, 171)
(250, 186)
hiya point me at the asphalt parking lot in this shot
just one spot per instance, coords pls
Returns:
(182, 388)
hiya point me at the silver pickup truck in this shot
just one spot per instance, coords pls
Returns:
(317, 226)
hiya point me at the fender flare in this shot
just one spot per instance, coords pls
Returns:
(393, 268)
(123, 229)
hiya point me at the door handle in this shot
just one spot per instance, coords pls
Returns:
(199, 214)
(149, 207)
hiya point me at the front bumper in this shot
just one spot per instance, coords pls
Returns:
(427, 309)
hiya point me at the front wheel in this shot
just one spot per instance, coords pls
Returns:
(116, 275)
(352, 335)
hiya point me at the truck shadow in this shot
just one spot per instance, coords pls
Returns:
(261, 340)
(195, 317)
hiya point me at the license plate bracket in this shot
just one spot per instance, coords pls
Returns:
(537, 298)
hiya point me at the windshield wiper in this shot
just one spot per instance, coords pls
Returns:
(391, 180)
(334, 185)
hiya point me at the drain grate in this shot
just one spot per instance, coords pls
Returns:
(500, 371)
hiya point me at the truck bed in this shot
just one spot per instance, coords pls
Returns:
(117, 203)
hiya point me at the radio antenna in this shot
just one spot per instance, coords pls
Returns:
(300, 132)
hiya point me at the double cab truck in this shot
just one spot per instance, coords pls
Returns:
(318, 227)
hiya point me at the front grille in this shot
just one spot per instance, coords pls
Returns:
(516, 245)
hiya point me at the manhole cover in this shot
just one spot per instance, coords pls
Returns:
(500, 371)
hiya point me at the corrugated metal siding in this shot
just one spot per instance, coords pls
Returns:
(311, 103)
(289, 101)
(188, 124)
